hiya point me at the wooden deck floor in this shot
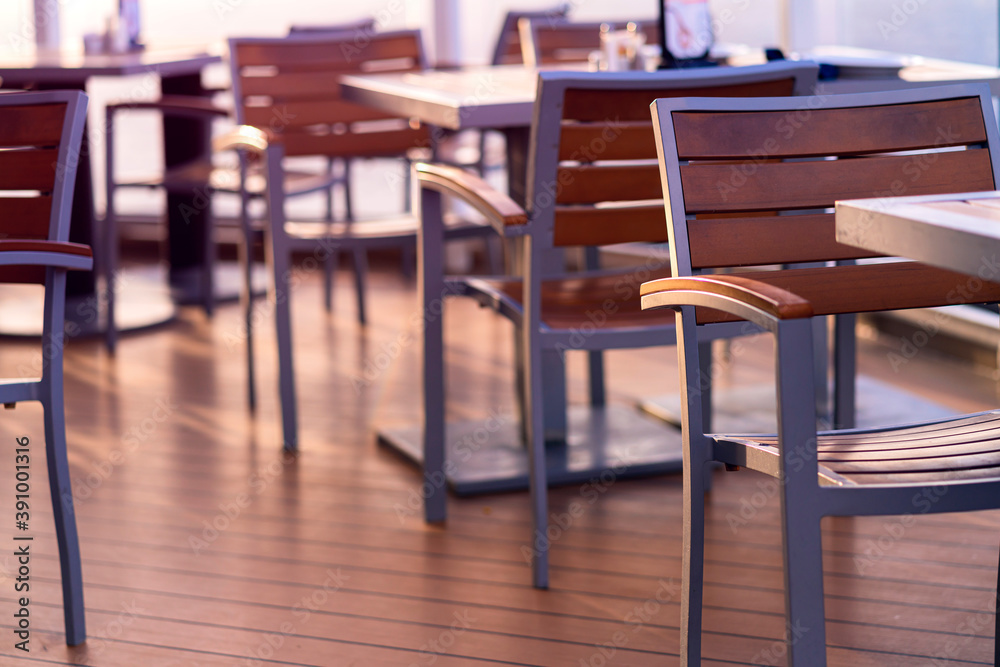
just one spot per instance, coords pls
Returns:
(204, 546)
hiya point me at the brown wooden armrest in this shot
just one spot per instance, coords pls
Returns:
(177, 105)
(500, 209)
(41, 245)
(19, 252)
(768, 299)
(241, 137)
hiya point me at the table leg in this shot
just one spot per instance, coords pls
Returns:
(518, 139)
(189, 215)
(583, 442)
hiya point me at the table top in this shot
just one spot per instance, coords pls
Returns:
(504, 95)
(74, 68)
(960, 232)
(476, 97)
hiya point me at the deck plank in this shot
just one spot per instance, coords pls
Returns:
(161, 443)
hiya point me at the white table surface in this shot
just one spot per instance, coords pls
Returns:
(477, 97)
(503, 96)
(960, 232)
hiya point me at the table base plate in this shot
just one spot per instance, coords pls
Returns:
(488, 456)
(752, 409)
(143, 301)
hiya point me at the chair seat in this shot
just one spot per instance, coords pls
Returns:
(930, 453)
(572, 303)
(382, 231)
(196, 175)
(390, 230)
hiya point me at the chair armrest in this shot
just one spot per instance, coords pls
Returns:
(175, 105)
(499, 209)
(59, 254)
(242, 137)
(744, 297)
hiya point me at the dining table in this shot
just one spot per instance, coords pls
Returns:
(960, 232)
(175, 71)
(502, 98)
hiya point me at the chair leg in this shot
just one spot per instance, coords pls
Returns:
(538, 478)
(208, 265)
(821, 369)
(246, 297)
(845, 363)
(519, 388)
(803, 584)
(595, 358)
(110, 241)
(800, 520)
(330, 261)
(996, 621)
(329, 271)
(280, 261)
(554, 416)
(431, 262)
(595, 373)
(65, 519)
(360, 277)
(60, 487)
(692, 564)
(705, 383)
(110, 266)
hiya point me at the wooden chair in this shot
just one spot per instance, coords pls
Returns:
(41, 134)
(804, 155)
(364, 25)
(591, 144)
(547, 42)
(508, 50)
(205, 178)
(288, 88)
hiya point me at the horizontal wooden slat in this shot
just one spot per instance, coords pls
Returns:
(22, 275)
(28, 170)
(306, 54)
(591, 184)
(758, 241)
(25, 217)
(597, 105)
(817, 132)
(152, 600)
(36, 125)
(352, 144)
(587, 225)
(293, 85)
(53, 248)
(611, 140)
(552, 36)
(300, 114)
(33, 275)
(871, 288)
(571, 304)
(818, 184)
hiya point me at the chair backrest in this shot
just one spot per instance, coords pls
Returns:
(508, 46)
(40, 137)
(775, 167)
(289, 88)
(365, 26)
(547, 42)
(594, 178)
